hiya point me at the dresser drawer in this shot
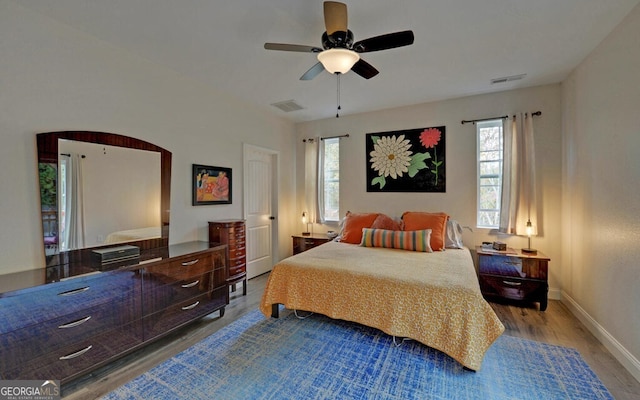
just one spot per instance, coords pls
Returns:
(236, 272)
(22, 345)
(236, 231)
(159, 295)
(237, 251)
(179, 314)
(182, 269)
(24, 308)
(77, 358)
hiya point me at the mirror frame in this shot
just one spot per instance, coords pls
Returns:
(47, 144)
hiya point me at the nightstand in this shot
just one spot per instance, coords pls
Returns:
(302, 243)
(514, 275)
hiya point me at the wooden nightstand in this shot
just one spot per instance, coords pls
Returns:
(303, 243)
(519, 276)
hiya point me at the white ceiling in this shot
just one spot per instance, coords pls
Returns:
(460, 45)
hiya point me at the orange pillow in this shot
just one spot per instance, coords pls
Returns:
(353, 225)
(385, 222)
(437, 222)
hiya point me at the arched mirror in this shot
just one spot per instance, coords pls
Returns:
(99, 189)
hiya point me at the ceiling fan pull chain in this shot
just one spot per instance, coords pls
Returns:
(338, 93)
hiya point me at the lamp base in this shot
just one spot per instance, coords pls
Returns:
(306, 233)
(528, 250)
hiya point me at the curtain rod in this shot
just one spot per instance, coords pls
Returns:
(473, 121)
(311, 140)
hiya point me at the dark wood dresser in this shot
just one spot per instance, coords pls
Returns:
(302, 243)
(232, 233)
(520, 276)
(91, 314)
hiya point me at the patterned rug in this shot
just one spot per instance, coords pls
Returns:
(320, 358)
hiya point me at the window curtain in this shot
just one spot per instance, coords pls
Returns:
(73, 229)
(312, 176)
(518, 203)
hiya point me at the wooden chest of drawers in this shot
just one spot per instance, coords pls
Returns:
(519, 276)
(232, 233)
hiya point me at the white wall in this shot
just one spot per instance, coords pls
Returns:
(601, 196)
(53, 77)
(460, 199)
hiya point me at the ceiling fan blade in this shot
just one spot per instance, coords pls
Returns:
(335, 17)
(364, 69)
(312, 72)
(383, 42)
(292, 47)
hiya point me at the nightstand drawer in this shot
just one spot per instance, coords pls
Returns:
(512, 288)
(303, 243)
(512, 266)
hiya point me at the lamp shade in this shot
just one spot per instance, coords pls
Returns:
(338, 60)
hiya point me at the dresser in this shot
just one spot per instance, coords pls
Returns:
(92, 314)
(303, 243)
(515, 276)
(232, 233)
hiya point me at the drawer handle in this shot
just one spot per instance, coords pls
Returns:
(74, 291)
(192, 306)
(190, 263)
(75, 323)
(512, 283)
(76, 354)
(192, 284)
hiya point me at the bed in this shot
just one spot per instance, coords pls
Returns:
(433, 298)
(133, 234)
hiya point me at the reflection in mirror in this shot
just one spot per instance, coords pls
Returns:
(106, 194)
(99, 189)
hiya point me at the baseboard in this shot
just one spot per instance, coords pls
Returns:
(617, 350)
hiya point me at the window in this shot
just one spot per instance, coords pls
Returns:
(330, 182)
(490, 155)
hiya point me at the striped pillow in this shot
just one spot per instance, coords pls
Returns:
(406, 240)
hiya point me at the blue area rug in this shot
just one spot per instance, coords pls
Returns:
(320, 358)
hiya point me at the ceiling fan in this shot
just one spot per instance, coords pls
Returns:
(339, 54)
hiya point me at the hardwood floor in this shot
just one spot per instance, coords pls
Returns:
(556, 325)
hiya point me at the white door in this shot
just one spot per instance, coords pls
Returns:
(260, 198)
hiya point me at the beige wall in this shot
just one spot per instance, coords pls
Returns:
(53, 78)
(460, 199)
(601, 196)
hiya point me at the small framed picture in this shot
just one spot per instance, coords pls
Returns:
(211, 185)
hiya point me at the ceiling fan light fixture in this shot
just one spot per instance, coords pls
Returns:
(338, 60)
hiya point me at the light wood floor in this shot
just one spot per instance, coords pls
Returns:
(556, 325)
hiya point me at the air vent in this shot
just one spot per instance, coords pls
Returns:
(505, 79)
(288, 106)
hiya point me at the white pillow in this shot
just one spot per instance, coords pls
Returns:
(453, 237)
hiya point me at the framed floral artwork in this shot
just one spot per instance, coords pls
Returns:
(211, 185)
(411, 160)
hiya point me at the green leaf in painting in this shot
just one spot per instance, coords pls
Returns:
(379, 180)
(417, 163)
(375, 139)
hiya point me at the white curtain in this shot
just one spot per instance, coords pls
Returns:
(73, 230)
(519, 202)
(312, 174)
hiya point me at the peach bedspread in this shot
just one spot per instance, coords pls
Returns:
(430, 297)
